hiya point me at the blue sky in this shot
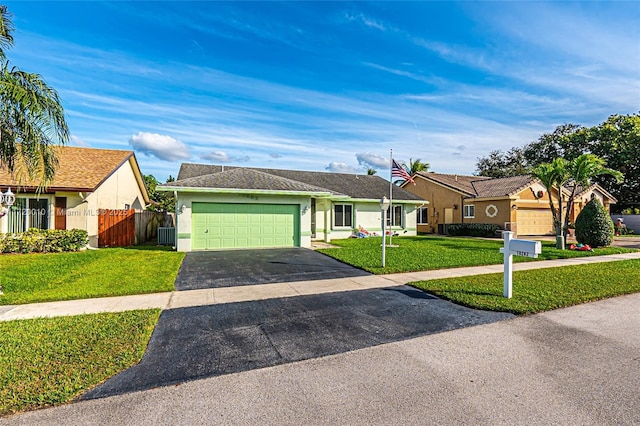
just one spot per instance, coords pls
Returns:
(330, 85)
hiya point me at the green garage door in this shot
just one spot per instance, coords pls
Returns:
(217, 225)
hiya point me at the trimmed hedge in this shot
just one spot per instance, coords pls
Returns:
(594, 226)
(472, 229)
(44, 241)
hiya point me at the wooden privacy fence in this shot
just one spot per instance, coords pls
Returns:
(116, 228)
(122, 228)
(148, 222)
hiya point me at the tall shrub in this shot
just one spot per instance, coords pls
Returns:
(594, 225)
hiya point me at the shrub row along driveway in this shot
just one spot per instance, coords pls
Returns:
(206, 341)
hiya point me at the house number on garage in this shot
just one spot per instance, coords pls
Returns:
(491, 210)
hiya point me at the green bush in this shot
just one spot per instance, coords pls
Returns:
(594, 225)
(44, 241)
(472, 229)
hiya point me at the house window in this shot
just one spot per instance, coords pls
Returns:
(28, 213)
(342, 215)
(469, 211)
(394, 219)
(423, 216)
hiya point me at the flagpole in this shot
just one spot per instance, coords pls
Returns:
(390, 195)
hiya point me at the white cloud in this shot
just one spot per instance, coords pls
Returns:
(368, 159)
(160, 146)
(340, 168)
(216, 156)
(223, 157)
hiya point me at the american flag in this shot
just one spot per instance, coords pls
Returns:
(398, 171)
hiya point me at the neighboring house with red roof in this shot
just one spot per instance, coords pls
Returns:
(241, 207)
(517, 203)
(86, 181)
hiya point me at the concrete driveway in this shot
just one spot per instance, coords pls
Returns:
(230, 268)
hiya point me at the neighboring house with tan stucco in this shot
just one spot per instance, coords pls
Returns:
(517, 203)
(86, 181)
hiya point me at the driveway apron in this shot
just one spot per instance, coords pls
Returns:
(230, 268)
(207, 341)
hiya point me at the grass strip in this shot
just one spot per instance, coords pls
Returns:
(540, 289)
(29, 278)
(50, 361)
(425, 253)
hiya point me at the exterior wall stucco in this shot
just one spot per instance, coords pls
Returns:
(365, 214)
(497, 212)
(440, 198)
(185, 200)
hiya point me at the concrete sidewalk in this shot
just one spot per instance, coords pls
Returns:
(190, 298)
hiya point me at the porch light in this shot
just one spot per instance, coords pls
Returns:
(384, 205)
(8, 198)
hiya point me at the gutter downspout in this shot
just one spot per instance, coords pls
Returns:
(175, 230)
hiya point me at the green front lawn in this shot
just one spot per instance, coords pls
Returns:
(424, 253)
(49, 361)
(28, 278)
(540, 289)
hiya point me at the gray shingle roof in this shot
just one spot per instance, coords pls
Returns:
(498, 187)
(352, 185)
(461, 183)
(481, 186)
(246, 179)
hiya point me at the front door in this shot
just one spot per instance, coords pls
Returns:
(61, 213)
(448, 216)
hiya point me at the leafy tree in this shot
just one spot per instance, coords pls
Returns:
(616, 141)
(563, 175)
(162, 201)
(416, 166)
(32, 119)
(567, 141)
(371, 171)
(594, 226)
(503, 164)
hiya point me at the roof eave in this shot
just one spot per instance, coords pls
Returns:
(241, 191)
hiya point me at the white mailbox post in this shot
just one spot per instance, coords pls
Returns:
(513, 246)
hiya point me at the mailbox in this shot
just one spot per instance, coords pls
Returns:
(515, 247)
(526, 248)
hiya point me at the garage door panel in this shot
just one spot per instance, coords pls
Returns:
(535, 222)
(217, 225)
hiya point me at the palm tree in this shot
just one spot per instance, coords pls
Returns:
(32, 119)
(371, 171)
(582, 170)
(563, 175)
(416, 166)
(553, 176)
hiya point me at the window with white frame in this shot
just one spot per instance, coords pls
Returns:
(342, 215)
(394, 219)
(469, 211)
(423, 216)
(28, 213)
